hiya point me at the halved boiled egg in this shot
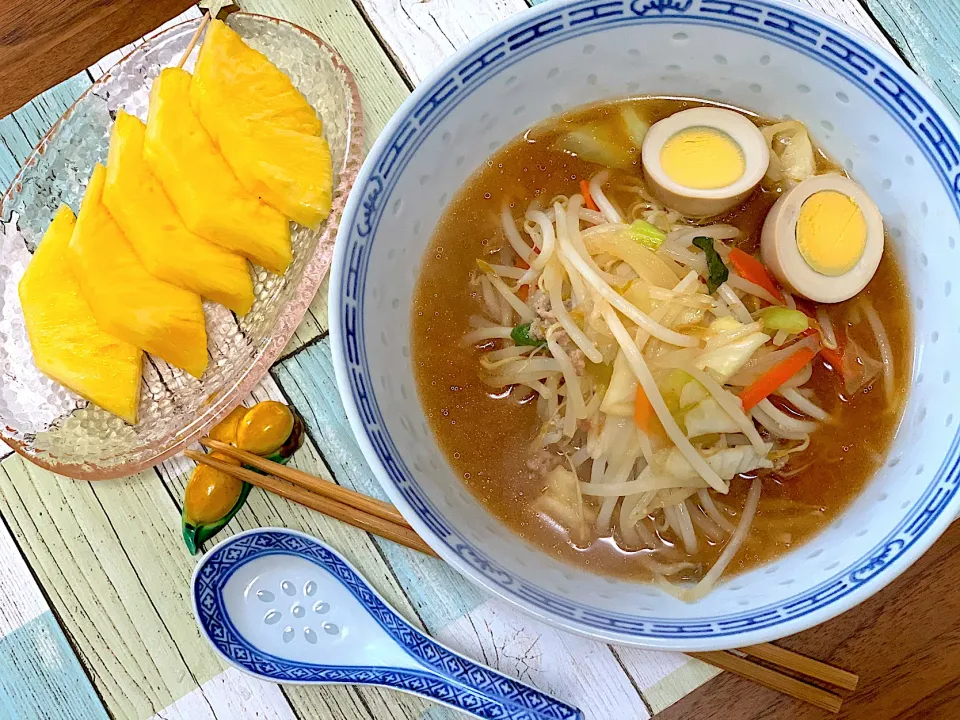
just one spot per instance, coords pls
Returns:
(704, 161)
(823, 238)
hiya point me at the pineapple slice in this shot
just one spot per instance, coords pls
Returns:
(68, 345)
(203, 188)
(289, 171)
(272, 147)
(126, 299)
(232, 75)
(164, 245)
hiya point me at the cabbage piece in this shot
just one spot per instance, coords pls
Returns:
(725, 361)
(635, 126)
(692, 393)
(725, 324)
(618, 242)
(671, 386)
(593, 143)
(688, 316)
(708, 417)
(791, 153)
(621, 395)
(727, 463)
(562, 503)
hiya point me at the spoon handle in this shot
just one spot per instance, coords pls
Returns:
(455, 680)
(481, 692)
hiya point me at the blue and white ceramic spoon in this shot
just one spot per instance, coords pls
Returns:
(286, 608)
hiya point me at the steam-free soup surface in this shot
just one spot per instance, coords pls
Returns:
(487, 434)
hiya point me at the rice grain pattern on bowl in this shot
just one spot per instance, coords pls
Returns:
(565, 54)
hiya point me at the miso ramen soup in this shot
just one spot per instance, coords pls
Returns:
(630, 388)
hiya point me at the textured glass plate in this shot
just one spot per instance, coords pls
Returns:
(53, 427)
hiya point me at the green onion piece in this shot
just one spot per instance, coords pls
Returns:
(717, 272)
(781, 318)
(521, 336)
(650, 236)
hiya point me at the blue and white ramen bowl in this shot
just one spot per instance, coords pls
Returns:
(867, 110)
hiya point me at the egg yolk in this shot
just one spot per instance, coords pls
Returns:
(831, 232)
(702, 158)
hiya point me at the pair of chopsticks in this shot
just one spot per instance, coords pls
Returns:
(773, 667)
(357, 509)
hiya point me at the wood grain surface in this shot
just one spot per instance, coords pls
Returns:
(904, 643)
(44, 43)
(110, 574)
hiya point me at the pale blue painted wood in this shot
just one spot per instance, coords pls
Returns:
(40, 677)
(927, 33)
(437, 592)
(21, 131)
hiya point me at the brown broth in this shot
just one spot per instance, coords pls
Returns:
(486, 435)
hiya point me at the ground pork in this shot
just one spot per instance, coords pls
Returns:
(577, 358)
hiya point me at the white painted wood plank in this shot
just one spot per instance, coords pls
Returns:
(110, 59)
(20, 598)
(231, 695)
(421, 34)
(574, 668)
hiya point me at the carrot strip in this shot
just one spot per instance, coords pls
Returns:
(643, 414)
(776, 376)
(749, 268)
(587, 197)
(523, 292)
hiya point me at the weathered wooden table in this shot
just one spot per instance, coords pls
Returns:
(95, 619)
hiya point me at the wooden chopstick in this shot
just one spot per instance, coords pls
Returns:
(367, 504)
(770, 678)
(803, 665)
(383, 519)
(402, 534)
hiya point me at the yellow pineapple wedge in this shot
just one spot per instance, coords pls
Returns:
(68, 345)
(231, 73)
(127, 301)
(163, 243)
(264, 127)
(203, 188)
(290, 171)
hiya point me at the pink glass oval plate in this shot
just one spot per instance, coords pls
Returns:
(54, 428)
